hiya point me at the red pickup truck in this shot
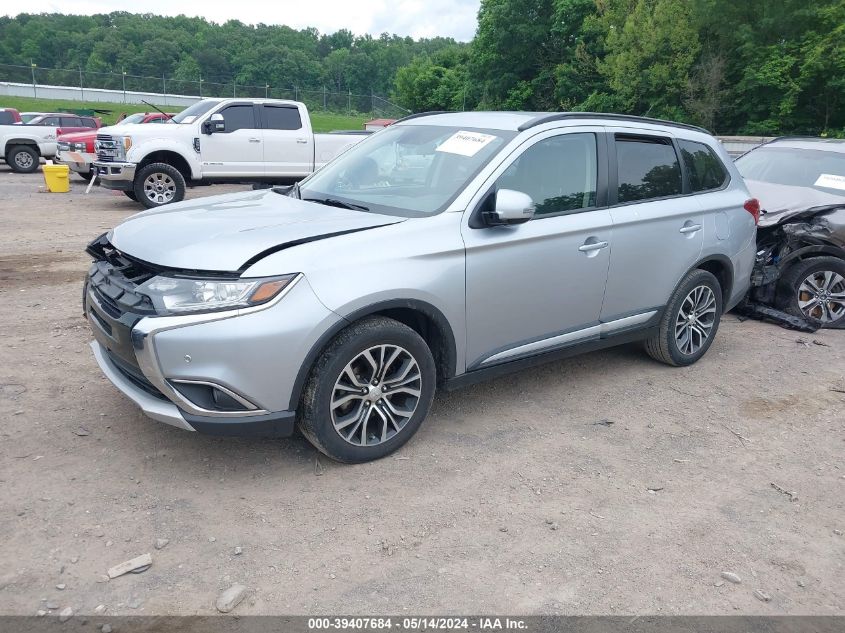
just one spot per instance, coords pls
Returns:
(9, 116)
(77, 150)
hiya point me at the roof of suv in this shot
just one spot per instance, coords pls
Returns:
(519, 121)
(809, 142)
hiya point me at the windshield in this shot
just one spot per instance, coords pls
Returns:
(189, 115)
(132, 118)
(406, 170)
(813, 168)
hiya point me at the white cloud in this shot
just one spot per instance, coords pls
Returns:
(417, 18)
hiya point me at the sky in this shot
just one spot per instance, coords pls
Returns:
(417, 18)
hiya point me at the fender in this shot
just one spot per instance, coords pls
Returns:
(812, 250)
(414, 304)
(182, 147)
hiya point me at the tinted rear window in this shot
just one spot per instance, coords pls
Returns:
(704, 169)
(276, 118)
(71, 121)
(648, 168)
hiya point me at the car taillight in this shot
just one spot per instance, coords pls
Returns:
(89, 147)
(753, 207)
(59, 132)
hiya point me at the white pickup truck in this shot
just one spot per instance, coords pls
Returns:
(215, 141)
(22, 146)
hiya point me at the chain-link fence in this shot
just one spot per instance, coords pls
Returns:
(123, 88)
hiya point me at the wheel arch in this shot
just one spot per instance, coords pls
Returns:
(722, 268)
(422, 317)
(169, 157)
(21, 141)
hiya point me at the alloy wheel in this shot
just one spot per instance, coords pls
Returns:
(23, 160)
(159, 188)
(376, 395)
(695, 319)
(821, 296)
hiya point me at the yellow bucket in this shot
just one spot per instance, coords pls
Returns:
(57, 178)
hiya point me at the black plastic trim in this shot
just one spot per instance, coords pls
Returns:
(503, 369)
(563, 116)
(279, 424)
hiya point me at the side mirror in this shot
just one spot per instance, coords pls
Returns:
(510, 207)
(215, 123)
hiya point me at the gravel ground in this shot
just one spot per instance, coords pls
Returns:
(602, 484)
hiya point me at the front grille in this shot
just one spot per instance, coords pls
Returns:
(115, 279)
(107, 148)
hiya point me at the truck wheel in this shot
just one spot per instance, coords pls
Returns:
(158, 184)
(814, 289)
(368, 392)
(23, 159)
(131, 195)
(86, 175)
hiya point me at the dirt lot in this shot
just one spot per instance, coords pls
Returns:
(601, 484)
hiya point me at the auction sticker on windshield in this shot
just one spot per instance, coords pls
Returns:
(830, 181)
(466, 143)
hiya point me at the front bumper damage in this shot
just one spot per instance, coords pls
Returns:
(215, 372)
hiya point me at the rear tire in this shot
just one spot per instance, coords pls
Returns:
(798, 295)
(158, 184)
(368, 392)
(23, 159)
(690, 321)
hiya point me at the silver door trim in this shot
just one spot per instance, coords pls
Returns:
(626, 322)
(594, 331)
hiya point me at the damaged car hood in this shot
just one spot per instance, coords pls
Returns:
(803, 212)
(223, 233)
(782, 203)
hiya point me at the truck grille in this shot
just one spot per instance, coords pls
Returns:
(107, 148)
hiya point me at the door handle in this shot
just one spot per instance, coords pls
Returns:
(588, 247)
(255, 140)
(690, 228)
(302, 141)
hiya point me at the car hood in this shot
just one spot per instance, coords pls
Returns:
(786, 202)
(231, 232)
(78, 137)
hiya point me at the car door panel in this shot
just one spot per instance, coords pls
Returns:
(289, 144)
(237, 151)
(656, 240)
(538, 285)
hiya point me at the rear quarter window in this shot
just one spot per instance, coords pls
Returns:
(704, 169)
(6, 118)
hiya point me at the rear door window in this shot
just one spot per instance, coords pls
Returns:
(71, 121)
(647, 168)
(704, 169)
(282, 118)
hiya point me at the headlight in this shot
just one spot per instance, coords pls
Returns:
(78, 147)
(127, 143)
(180, 294)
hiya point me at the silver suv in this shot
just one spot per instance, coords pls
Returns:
(445, 249)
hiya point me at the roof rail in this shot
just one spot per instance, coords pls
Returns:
(562, 116)
(419, 114)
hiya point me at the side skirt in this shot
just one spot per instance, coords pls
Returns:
(487, 373)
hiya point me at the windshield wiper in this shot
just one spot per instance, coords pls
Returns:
(334, 202)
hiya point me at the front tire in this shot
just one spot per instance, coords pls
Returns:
(368, 392)
(158, 184)
(814, 289)
(690, 321)
(23, 159)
